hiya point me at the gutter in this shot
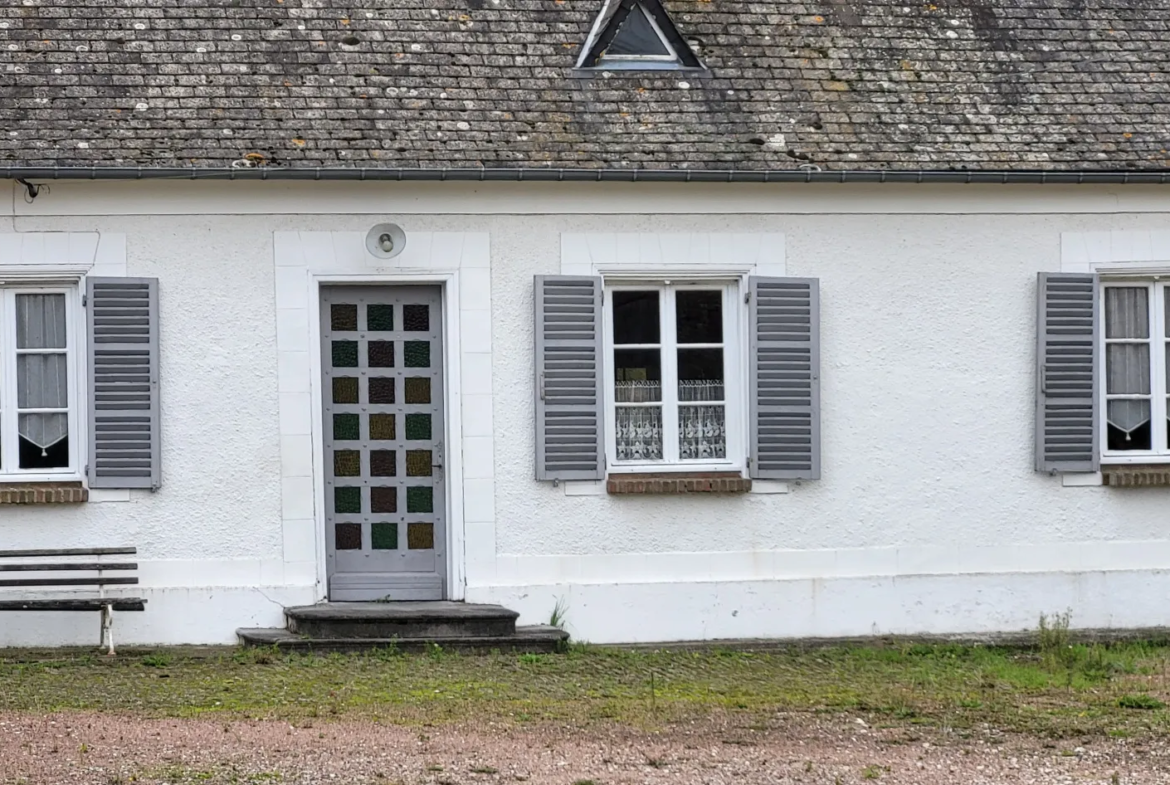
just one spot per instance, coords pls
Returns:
(533, 174)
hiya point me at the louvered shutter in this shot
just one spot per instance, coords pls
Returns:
(569, 433)
(1067, 377)
(784, 378)
(122, 315)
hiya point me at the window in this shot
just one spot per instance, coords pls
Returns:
(636, 35)
(1135, 345)
(672, 375)
(38, 417)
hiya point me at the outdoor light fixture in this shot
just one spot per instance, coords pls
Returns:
(385, 241)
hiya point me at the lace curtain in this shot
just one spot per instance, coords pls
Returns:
(1127, 365)
(42, 378)
(701, 429)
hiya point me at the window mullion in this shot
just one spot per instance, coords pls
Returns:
(1158, 369)
(9, 445)
(669, 377)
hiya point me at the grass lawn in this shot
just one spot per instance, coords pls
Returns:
(1055, 690)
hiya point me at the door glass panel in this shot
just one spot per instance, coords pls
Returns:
(343, 317)
(383, 499)
(347, 463)
(379, 318)
(416, 318)
(381, 354)
(345, 389)
(420, 536)
(349, 536)
(383, 463)
(381, 427)
(382, 390)
(418, 389)
(345, 354)
(418, 427)
(416, 354)
(418, 463)
(346, 427)
(420, 498)
(347, 501)
(384, 536)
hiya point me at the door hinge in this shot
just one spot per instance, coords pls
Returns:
(747, 297)
(84, 300)
(749, 462)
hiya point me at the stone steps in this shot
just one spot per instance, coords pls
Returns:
(407, 626)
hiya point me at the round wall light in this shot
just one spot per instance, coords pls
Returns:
(385, 241)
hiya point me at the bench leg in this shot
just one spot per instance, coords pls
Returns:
(107, 641)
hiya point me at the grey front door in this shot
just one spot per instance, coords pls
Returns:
(382, 352)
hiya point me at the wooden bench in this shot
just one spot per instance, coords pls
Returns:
(62, 573)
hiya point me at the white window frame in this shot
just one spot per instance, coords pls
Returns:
(10, 470)
(734, 372)
(1159, 290)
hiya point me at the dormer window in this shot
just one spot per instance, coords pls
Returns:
(636, 35)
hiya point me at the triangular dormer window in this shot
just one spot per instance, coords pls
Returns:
(636, 35)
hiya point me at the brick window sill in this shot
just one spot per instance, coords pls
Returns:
(43, 493)
(677, 483)
(1129, 475)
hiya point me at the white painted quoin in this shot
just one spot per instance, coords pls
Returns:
(928, 515)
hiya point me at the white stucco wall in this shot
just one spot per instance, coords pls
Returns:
(928, 516)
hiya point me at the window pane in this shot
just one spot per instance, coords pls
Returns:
(1127, 368)
(701, 433)
(42, 381)
(699, 317)
(1128, 425)
(1127, 312)
(635, 317)
(700, 374)
(44, 441)
(40, 321)
(637, 375)
(343, 317)
(639, 433)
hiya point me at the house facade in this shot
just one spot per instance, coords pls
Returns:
(759, 362)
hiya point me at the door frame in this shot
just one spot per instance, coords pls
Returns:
(448, 283)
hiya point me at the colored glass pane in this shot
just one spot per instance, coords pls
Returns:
(383, 499)
(418, 426)
(347, 463)
(383, 463)
(384, 536)
(420, 536)
(345, 354)
(345, 389)
(381, 354)
(380, 317)
(416, 354)
(346, 427)
(417, 389)
(348, 536)
(420, 498)
(382, 389)
(418, 463)
(347, 500)
(343, 317)
(381, 427)
(416, 318)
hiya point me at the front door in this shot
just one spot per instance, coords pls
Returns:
(381, 350)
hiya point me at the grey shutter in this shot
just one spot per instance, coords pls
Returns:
(569, 400)
(122, 315)
(1067, 437)
(784, 378)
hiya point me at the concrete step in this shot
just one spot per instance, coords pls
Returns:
(402, 620)
(538, 639)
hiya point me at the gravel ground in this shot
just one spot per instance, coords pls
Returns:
(108, 749)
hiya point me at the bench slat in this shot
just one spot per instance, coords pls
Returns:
(69, 582)
(69, 552)
(119, 604)
(62, 566)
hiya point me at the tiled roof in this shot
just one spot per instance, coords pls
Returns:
(837, 84)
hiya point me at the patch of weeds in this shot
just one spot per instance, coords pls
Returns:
(434, 767)
(388, 652)
(1140, 702)
(584, 782)
(435, 652)
(656, 763)
(1053, 639)
(156, 660)
(872, 772)
(559, 612)
(484, 770)
(531, 659)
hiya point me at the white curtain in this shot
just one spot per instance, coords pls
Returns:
(702, 433)
(42, 379)
(639, 433)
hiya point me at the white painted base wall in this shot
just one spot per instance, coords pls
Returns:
(928, 518)
(841, 607)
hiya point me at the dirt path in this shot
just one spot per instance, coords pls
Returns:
(81, 749)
